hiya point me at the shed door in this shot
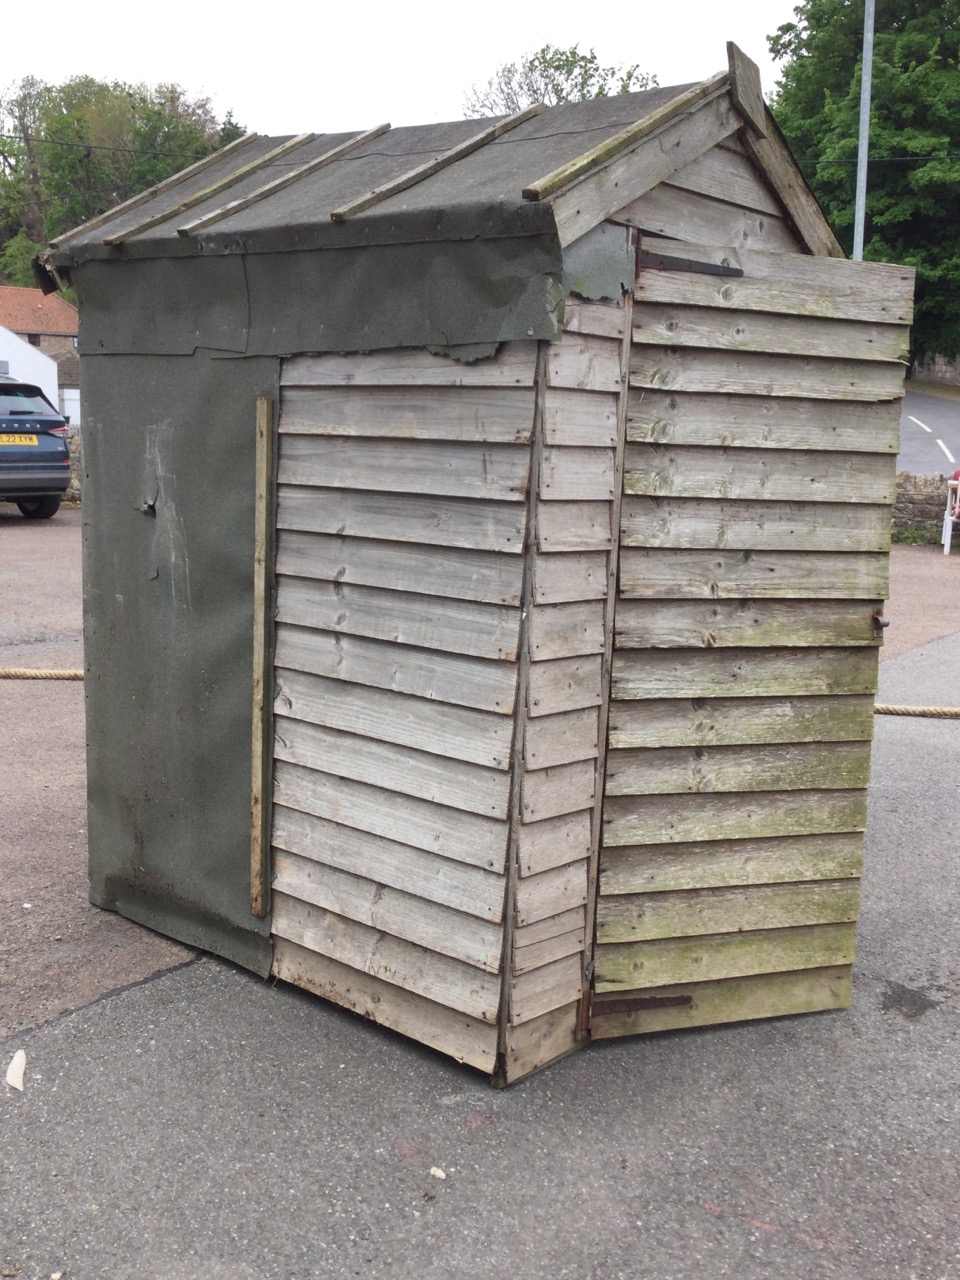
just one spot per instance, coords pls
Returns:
(759, 471)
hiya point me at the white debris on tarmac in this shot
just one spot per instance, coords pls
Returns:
(16, 1069)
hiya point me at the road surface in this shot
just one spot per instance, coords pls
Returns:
(929, 435)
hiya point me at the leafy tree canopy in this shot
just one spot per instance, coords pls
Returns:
(551, 75)
(913, 196)
(69, 152)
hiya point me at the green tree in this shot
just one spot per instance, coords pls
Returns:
(71, 151)
(76, 179)
(16, 260)
(551, 75)
(913, 197)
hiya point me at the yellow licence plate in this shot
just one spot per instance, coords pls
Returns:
(17, 438)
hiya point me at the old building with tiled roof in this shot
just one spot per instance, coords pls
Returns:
(45, 321)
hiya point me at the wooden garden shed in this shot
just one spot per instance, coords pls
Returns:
(485, 532)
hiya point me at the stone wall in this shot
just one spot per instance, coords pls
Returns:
(918, 511)
(937, 369)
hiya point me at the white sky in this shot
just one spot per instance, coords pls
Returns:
(291, 67)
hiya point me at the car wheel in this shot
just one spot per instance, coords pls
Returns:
(40, 508)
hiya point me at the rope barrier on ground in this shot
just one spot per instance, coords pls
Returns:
(30, 673)
(941, 713)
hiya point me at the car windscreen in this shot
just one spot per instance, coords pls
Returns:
(21, 398)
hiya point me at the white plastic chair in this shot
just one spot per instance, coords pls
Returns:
(951, 515)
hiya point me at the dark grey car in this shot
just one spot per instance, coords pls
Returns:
(34, 455)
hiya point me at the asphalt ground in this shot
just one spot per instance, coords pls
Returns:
(930, 429)
(195, 1121)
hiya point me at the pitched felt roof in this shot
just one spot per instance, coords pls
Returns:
(299, 202)
(31, 311)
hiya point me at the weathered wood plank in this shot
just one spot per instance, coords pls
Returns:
(681, 819)
(729, 176)
(451, 833)
(402, 915)
(514, 365)
(434, 879)
(665, 868)
(441, 522)
(535, 955)
(737, 721)
(603, 319)
(576, 475)
(262, 673)
(723, 624)
(663, 574)
(747, 93)
(541, 990)
(745, 673)
(553, 926)
(561, 739)
(669, 324)
(551, 893)
(541, 1041)
(424, 673)
(497, 471)
(429, 622)
(456, 783)
(788, 766)
(500, 415)
(704, 1004)
(573, 526)
(688, 913)
(564, 684)
(753, 422)
(670, 148)
(542, 846)
(753, 526)
(569, 576)
(673, 211)
(562, 788)
(459, 732)
(566, 630)
(756, 374)
(759, 474)
(584, 363)
(789, 284)
(773, 158)
(484, 576)
(403, 964)
(463, 1038)
(584, 419)
(632, 966)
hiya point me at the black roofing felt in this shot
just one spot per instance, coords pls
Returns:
(479, 194)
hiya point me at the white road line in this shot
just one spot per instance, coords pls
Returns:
(918, 422)
(947, 452)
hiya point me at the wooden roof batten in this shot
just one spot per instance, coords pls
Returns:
(427, 170)
(261, 193)
(584, 165)
(270, 157)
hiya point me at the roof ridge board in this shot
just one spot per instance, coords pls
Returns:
(214, 189)
(427, 170)
(581, 167)
(142, 197)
